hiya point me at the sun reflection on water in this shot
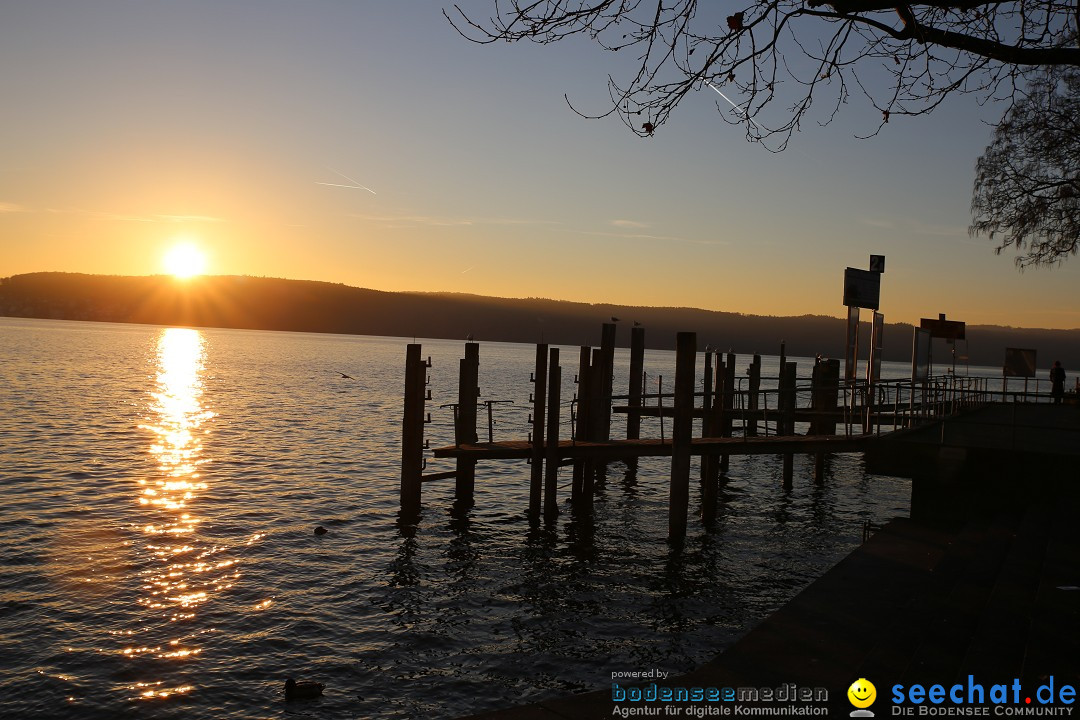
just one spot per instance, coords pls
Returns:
(184, 573)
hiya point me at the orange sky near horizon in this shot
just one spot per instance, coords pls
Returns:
(370, 145)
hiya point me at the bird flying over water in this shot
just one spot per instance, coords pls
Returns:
(347, 377)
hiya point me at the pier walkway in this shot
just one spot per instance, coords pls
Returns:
(656, 447)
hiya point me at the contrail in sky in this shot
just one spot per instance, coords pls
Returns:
(745, 115)
(355, 185)
(734, 106)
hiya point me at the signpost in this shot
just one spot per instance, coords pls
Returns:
(1019, 362)
(948, 330)
(862, 289)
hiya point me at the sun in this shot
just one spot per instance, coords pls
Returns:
(184, 260)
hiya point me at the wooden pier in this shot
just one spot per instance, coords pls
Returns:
(655, 447)
(733, 420)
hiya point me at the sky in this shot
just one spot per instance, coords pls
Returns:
(132, 125)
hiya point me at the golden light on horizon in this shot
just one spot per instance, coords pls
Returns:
(184, 260)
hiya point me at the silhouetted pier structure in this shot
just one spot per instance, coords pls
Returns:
(734, 420)
(985, 590)
(979, 581)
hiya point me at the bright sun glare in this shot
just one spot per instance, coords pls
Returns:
(184, 260)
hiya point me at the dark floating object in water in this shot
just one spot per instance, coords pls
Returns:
(347, 377)
(303, 690)
(321, 530)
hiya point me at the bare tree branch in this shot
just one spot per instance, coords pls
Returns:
(774, 58)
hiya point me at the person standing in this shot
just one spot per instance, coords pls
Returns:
(1057, 382)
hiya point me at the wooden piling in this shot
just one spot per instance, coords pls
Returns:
(706, 416)
(607, 369)
(412, 430)
(786, 400)
(581, 428)
(636, 382)
(538, 448)
(787, 414)
(753, 388)
(728, 401)
(682, 433)
(716, 415)
(831, 391)
(599, 427)
(824, 396)
(817, 397)
(551, 477)
(709, 463)
(465, 425)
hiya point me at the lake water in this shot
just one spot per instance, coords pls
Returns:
(157, 556)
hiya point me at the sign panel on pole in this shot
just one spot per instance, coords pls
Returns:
(851, 354)
(942, 328)
(1019, 362)
(862, 288)
(920, 354)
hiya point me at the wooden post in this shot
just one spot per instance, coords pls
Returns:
(753, 387)
(716, 412)
(599, 426)
(637, 371)
(465, 427)
(729, 405)
(412, 430)
(607, 361)
(710, 469)
(817, 397)
(681, 434)
(706, 418)
(824, 396)
(551, 477)
(818, 403)
(831, 389)
(581, 431)
(787, 414)
(786, 401)
(539, 398)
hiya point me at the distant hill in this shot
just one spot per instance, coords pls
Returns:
(305, 306)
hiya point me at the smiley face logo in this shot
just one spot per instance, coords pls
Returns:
(862, 693)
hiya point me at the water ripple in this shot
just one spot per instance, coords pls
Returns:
(157, 554)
